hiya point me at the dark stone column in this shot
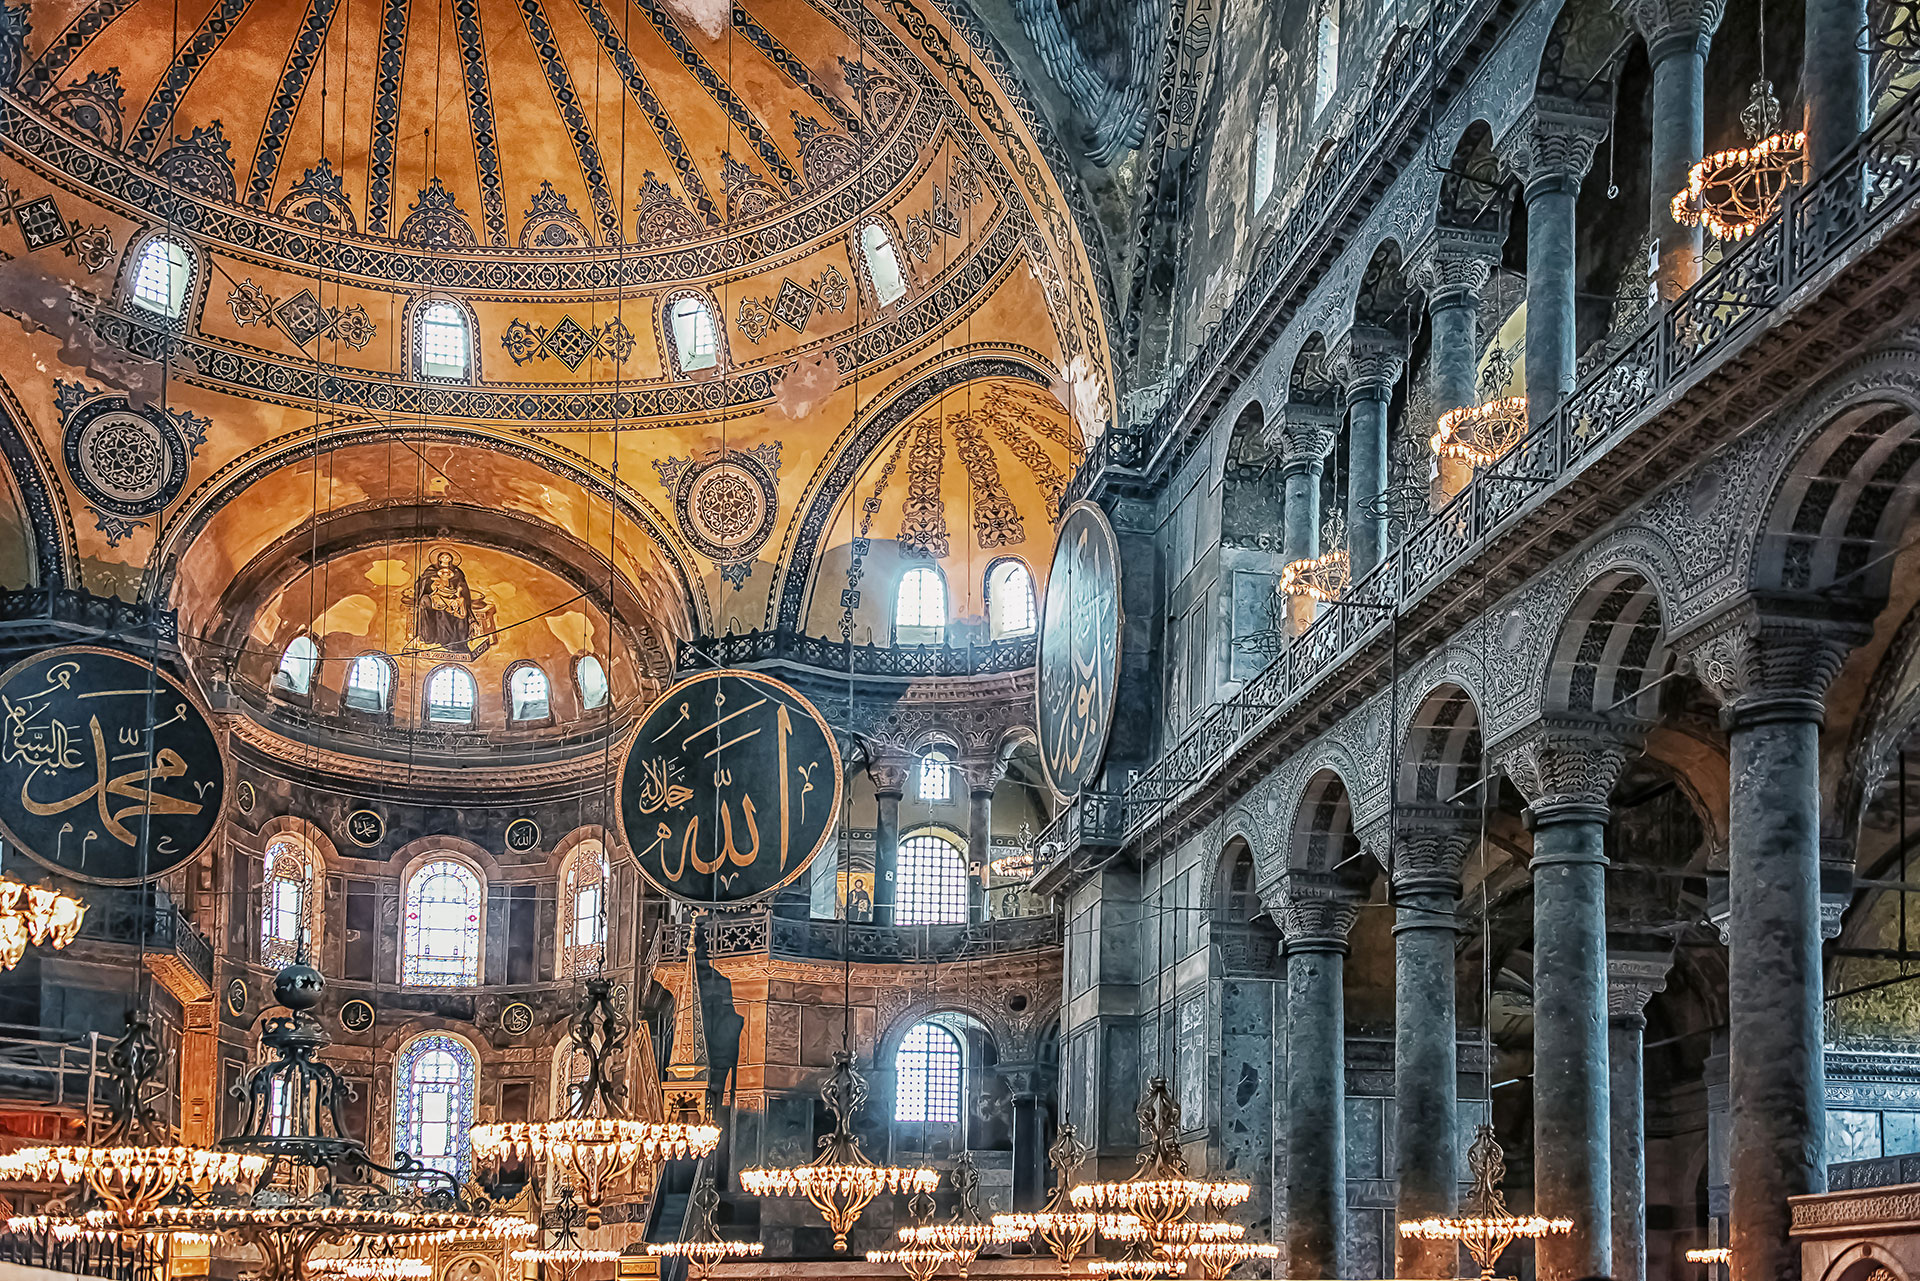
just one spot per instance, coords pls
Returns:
(1834, 82)
(1551, 147)
(1632, 979)
(1431, 844)
(1452, 266)
(1771, 673)
(1678, 34)
(1566, 769)
(1315, 916)
(1029, 1139)
(1367, 361)
(979, 845)
(889, 785)
(1305, 435)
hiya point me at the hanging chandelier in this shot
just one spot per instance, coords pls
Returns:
(596, 1142)
(966, 1233)
(1217, 1259)
(1324, 577)
(567, 1218)
(1479, 434)
(369, 1261)
(35, 914)
(1140, 1262)
(1161, 1192)
(841, 1181)
(1066, 1232)
(1020, 866)
(1714, 1256)
(1488, 1229)
(922, 1259)
(1731, 194)
(705, 1248)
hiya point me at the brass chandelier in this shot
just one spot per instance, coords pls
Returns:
(705, 1248)
(1479, 434)
(35, 914)
(1488, 1228)
(1067, 1233)
(1161, 1192)
(567, 1218)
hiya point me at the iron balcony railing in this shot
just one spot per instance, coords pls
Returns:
(149, 919)
(743, 648)
(42, 1066)
(764, 934)
(1817, 225)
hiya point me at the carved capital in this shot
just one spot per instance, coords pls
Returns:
(1768, 666)
(1566, 766)
(889, 778)
(1367, 361)
(983, 776)
(1673, 26)
(1632, 979)
(1304, 435)
(1551, 145)
(1431, 845)
(1316, 911)
(1452, 265)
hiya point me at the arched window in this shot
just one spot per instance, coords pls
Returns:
(295, 673)
(527, 695)
(570, 1067)
(696, 342)
(1326, 56)
(1266, 146)
(583, 941)
(369, 683)
(286, 902)
(1010, 599)
(883, 264)
(444, 345)
(434, 1089)
(161, 277)
(936, 776)
(442, 943)
(593, 681)
(933, 882)
(927, 1074)
(920, 610)
(450, 696)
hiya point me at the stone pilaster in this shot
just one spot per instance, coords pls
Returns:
(1632, 979)
(1566, 769)
(1451, 266)
(889, 785)
(1315, 916)
(1834, 82)
(1551, 147)
(1678, 34)
(1304, 435)
(1367, 360)
(982, 778)
(1771, 671)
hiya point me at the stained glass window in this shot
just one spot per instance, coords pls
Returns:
(1010, 595)
(927, 1075)
(160, 281)
(933, 882)
(434, 1089)
(443, 926)
(584, 942)
(286, 901)
(295, 673)
(443, 341)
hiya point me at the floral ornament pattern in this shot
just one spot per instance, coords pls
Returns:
(568, 342)
(301, 317)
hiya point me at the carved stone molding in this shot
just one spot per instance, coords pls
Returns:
(1451, 265)
(889, 777)
(1304, 434)
(1632, 979)
(1431, 844)
(1673, 26)
(1367, 361)
(1770, 666)
(1552, 143)
(1316, 912)
(1566, 766)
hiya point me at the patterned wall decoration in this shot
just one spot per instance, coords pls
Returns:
(43, 226)
(301, 317)
(923, 525)
(568, 342)
(551, 222)
(725, 504)
(793, 306)
(92, 106)
(862, 543)
(566, 99)
(996, 521)
(320, 197)
(128, 463)
(437, 221)
(301, 57)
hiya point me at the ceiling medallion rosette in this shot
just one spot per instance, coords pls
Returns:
(725, 504)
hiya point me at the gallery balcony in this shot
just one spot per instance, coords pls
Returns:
(786, 938)
(170, 945)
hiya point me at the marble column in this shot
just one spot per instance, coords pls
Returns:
(1452, 266)
(1771, 672)
(1315, 916)
(1551, 147)
(1566, 768)
(1367, 361)
(1678, 34)
(1029, 1140)
(979, 844)
(1432, 842)
(1304, 434)
(1632, 979)
(889, 785)
(1834, 82)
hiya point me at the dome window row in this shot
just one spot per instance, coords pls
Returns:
(452, 695)
(920, 603)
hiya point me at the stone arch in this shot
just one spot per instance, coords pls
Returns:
(1441, 750)
(46, 529)
(978, 1008)
(1473, 186)
(1864, 1261)
(1320, 833)
(1251, 492)
(1610, 648)
(1585, 44)
(1384, 297)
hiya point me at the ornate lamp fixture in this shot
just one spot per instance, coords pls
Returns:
(841, 1181)
(706, 1248)
(919, 1261)
(35, 914)
(1732, 193)
(1217, 1259)
(1479, 434)
(1324, 577)
(1065, 1231)
(1489, 1229)
(1017, 867)
(1161, 1192)
(567, 1218)
(966, 1233)
(372, 1262)
(133, 1167)
(596, 1142)
(1712, 1256)
(1139, 1263)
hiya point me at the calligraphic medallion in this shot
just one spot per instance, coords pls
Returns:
(356, 1016)
(517, 1019)
(365, 828)
(237, 997)
(728, 789)
(523, 834)
(85, 789)
(1079, 650)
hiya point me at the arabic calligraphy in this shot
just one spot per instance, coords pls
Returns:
(721, 794)
(1079, 650)
(108, 771)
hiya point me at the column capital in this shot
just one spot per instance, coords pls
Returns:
(889, 777)
(983, 776)
(1367, 360)
(1551, 145)
(1303, 433)
(1673, 26)
(1767, 665)
(1632, 979)
(1316, 911)
(1431, 844)
(1566, 766)
(1453, 264)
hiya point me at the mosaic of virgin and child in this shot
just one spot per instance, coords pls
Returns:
(448, 614)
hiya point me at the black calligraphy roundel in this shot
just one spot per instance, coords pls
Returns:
(85, 790)
(1079, 650)
(729, 788)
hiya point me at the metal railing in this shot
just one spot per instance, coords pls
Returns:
(739, 649)
(764, 934)
(1814, 228)
(147, 918)
(38, 1065)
